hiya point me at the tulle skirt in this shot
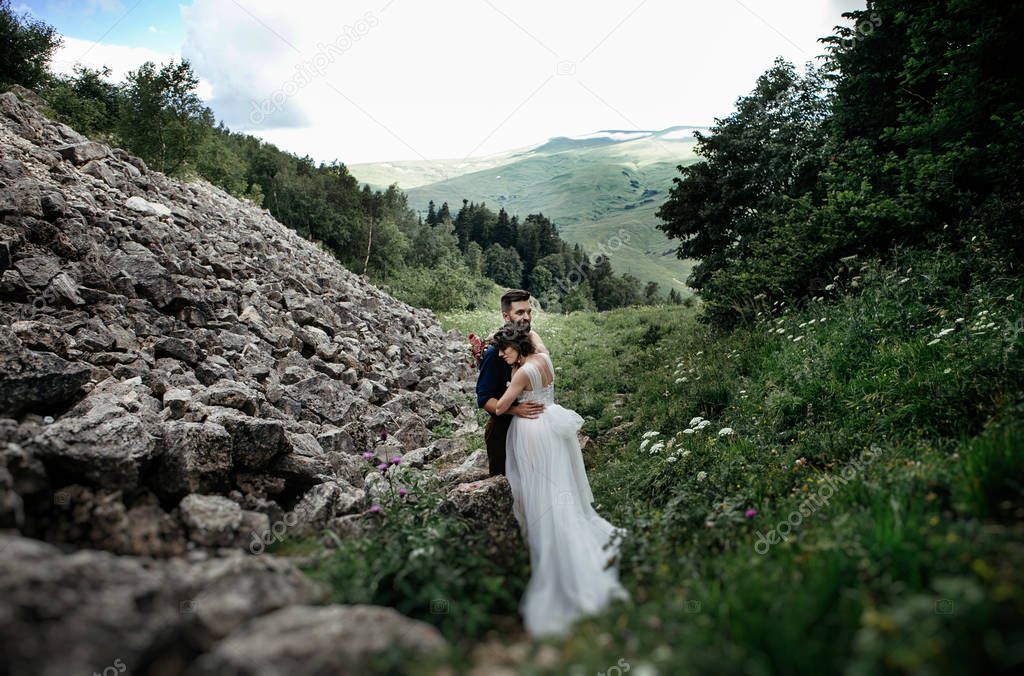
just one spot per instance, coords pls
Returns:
(571, 546)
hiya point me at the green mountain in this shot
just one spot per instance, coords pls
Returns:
(595, 188)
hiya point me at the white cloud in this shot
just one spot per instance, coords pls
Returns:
(370, 80)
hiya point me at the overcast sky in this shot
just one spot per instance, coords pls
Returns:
(363, 81)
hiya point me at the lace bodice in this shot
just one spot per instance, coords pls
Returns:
(545, 395)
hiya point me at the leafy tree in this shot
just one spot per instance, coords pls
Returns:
(163, 120)
(504, 234)
(444, 214)
(26, 47)
(503, 265)
(651, 293)
(580, 298)
(769, 150)
(86, 101)
(473, 257)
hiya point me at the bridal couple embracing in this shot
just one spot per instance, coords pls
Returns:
(532, 441)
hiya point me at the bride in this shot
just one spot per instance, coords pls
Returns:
(572, 549)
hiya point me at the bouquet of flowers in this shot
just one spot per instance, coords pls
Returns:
(476, 350)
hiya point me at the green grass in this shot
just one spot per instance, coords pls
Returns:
(782, 548)
(911, 565)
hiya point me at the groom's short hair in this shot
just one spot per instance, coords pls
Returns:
(513, 296)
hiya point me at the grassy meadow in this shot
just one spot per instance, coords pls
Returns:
(877, 435)
(835, 488)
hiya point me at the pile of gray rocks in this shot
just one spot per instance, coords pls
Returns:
(182, 379)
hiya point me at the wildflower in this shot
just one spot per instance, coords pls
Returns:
(671, 458)
(798, 339)
(830, 287)
(375, 509)
(680, 380)
(944, 332)
(688, 431)
(702, 475)
(702, 424)
(656, 447)
(368, 455)
(948, 371)
(395, 460)
(643, 444)
(725, 431)
(402, 491)
(648, 435)
(960, 320)
(383, 467)
(933, 341)
(695, 421)
(750, 513)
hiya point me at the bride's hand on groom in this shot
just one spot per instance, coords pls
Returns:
(527, 409)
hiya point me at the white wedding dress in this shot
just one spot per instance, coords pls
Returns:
(552, 503)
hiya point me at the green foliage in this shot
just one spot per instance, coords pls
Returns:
(503, 266)
(423, 562)
(86, 101)
(26, 47)
(909, 565)
(163, 121)
(909, 134)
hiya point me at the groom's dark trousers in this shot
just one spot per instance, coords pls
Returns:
(491, 384)
(494, 437)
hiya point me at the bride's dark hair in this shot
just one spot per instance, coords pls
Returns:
(510, 334)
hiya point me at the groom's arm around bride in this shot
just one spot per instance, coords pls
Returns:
(491, 381)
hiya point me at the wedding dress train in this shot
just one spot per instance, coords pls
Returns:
(569, 542)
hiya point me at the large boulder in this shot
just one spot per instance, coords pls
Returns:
(487, 506)
(300, 640)
(81, 612)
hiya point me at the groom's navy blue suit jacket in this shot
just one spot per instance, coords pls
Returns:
(490, 381)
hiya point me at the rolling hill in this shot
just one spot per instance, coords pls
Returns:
(594, 187)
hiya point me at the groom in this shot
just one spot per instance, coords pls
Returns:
(493, 378)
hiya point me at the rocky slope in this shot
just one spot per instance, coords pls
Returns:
(183, 378)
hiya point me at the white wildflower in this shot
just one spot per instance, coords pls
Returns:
(688, 431)
(685, 454)
(649, 434)
(948, 371)
(656, 448)
(944, 332)
(725, 431)
(695, 421)
(933, 341)
(671, 458)
(830, 287)
(702, 424)
(702, 475)
(798, 339)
